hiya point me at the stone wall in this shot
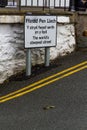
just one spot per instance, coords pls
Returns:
(12, 51)
(81, 25)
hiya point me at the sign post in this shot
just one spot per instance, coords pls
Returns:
(40, 31)
(47, 56)
(28, 62)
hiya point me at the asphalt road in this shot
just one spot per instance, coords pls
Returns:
(56, 100)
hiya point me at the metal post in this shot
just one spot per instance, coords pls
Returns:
(28, 62)
(19, 4)
(47, 56)
(43, 5)
(72, 5)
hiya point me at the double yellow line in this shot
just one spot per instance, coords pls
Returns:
(44, 82)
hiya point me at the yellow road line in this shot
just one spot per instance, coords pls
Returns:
(41, 85)
(43, 80)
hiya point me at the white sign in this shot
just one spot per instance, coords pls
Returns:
(40, 31)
